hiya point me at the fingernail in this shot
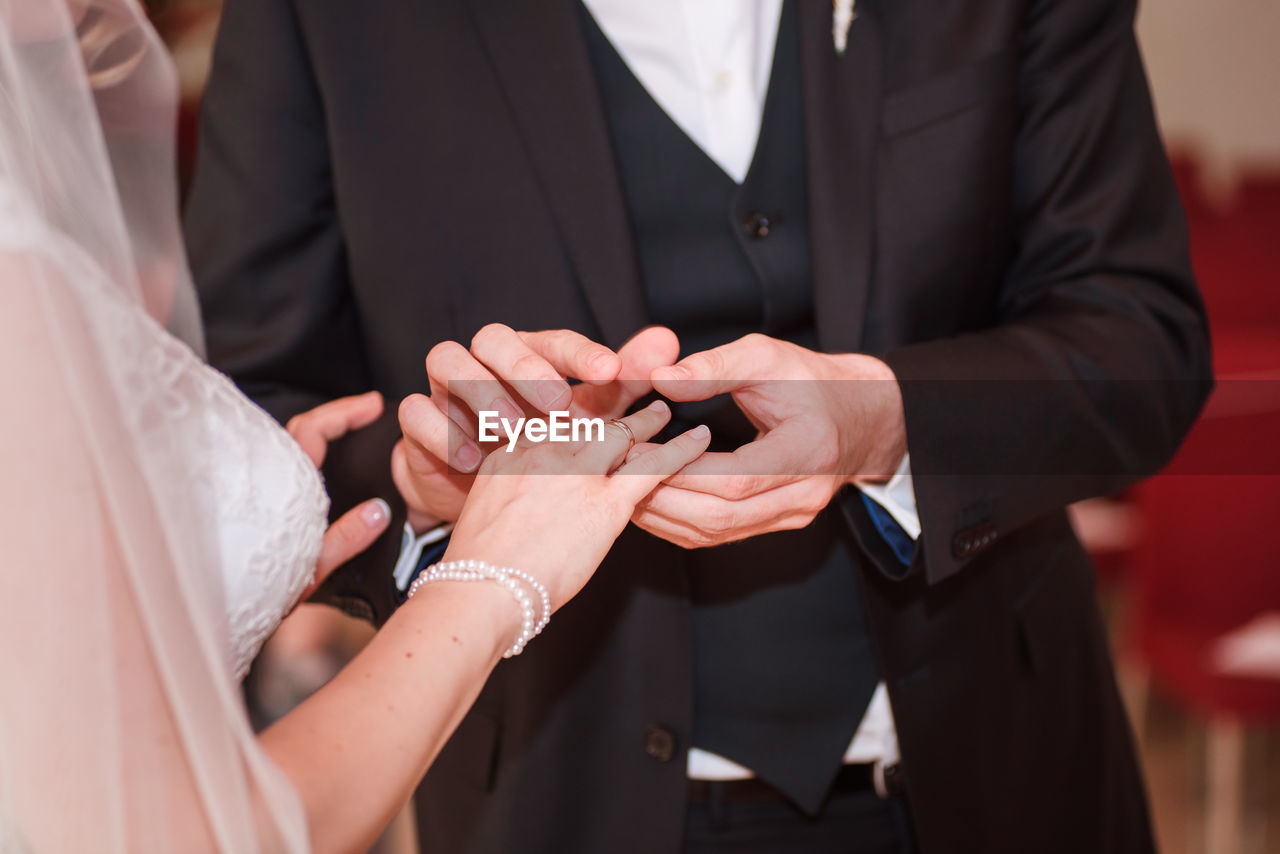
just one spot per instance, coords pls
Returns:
(506, 409)
(467, 456)
(678, 372)
(702, 431)
(375, 513)
(660, 406)
(600, 361)
(551, 393)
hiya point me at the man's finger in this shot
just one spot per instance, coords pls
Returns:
(574, 355)
(717, 520)
(660, 513)
(650, 348)
(505, 353)
(724, 478)
(673, 531)
(425, 426)
(719, 370)
(781, 456)
(432, 492)
(466, 386)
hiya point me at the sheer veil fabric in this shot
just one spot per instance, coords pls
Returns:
(121, 729)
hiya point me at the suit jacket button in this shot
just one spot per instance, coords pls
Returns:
(659, 743)
(758, 225)
(971, 541)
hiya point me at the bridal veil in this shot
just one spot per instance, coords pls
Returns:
(121, 729)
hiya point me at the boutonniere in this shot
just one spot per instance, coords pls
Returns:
(842, 16)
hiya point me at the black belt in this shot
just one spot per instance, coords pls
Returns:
(852, 779)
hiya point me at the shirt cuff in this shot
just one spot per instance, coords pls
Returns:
(411, 548)
(898, 498)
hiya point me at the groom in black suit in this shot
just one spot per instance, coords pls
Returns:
(974, 193)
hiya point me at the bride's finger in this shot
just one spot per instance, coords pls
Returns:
(351, 534)
(316, 428)
(642, 473)
(618, 440)
(641, 449)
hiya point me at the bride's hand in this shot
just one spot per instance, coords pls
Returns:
(356, 530)
(554, 510)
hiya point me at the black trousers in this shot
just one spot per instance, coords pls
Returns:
(853, 823)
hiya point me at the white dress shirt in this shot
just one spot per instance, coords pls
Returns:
(707, 63)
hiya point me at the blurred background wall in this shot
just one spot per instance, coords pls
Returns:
(1214, 71)
(1188, 563)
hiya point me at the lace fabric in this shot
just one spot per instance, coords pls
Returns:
(267, 507)
(259, 496)
(255, 489)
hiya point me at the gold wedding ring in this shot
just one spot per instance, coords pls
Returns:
(631, 437)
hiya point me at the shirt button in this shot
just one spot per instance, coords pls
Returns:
(758, 225)
(659, 743)
(724, 79)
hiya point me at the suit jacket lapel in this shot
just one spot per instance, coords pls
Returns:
(538, 53)
(842, 121)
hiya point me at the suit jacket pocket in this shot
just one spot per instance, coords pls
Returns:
(1056, 615)
(946, 94)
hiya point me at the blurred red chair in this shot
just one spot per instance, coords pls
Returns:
(1208, 563)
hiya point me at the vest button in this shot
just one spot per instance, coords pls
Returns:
(758, 225)
(659, 743)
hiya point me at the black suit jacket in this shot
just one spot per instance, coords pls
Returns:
(991, 212)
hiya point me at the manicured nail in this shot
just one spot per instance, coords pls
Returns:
(702, 431)
(375, 513)
(467, 456)
(660, 406)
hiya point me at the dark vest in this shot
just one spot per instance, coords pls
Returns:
(783, 663)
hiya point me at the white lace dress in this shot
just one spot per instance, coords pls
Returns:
(158, 464)
(260, 500)
(258, 493)
(268, 508)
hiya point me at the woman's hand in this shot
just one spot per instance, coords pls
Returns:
(554, 510)
(356, 530)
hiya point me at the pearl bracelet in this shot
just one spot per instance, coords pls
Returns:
(514, 580)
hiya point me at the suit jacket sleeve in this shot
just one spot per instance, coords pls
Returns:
(266, 247)
(1099, 362)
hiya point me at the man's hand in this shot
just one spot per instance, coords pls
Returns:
(824, 421)
(515, 374)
